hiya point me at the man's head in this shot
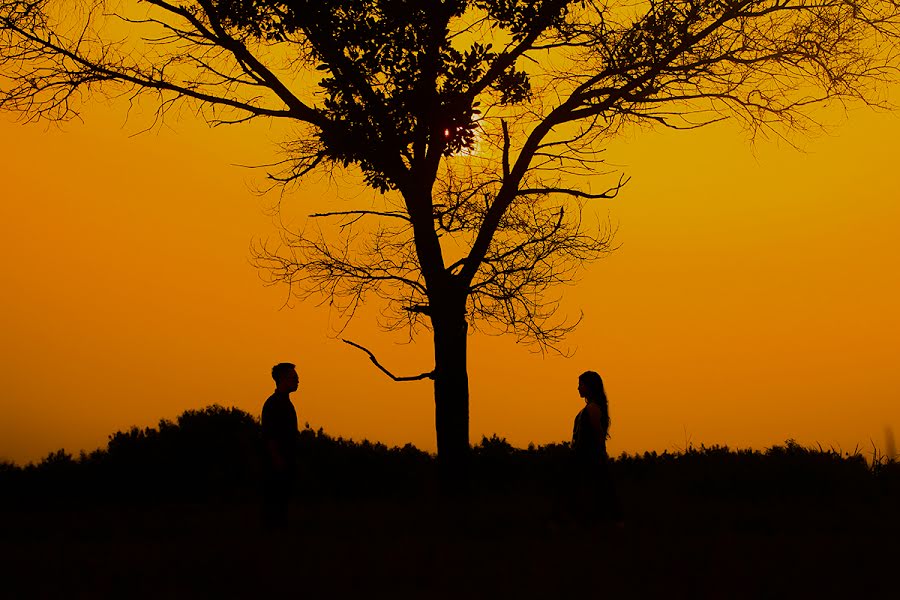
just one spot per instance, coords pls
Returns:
(286, 378)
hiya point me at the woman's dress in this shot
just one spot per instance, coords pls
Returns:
(595, 491)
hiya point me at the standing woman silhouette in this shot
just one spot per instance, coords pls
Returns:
(598, 495)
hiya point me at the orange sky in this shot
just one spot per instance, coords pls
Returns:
(753, 299)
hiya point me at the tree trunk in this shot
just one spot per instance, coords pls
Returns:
(451, 398)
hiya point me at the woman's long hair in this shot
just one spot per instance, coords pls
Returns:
(593, 383)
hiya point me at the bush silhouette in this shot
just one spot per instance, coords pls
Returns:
(215, 453)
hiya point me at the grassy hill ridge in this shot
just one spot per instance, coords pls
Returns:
(216, 452)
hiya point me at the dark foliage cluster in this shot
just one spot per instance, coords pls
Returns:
(216, 454)
(789, 470)
(203, 453)
(395, 55)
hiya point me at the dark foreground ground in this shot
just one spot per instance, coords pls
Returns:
(141, 520)
(501, 547)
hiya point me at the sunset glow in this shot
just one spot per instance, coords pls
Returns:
(752, 298)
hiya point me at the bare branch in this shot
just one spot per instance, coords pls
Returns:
(608, 194)
(419, 377)
(374, 213)
(506, 144)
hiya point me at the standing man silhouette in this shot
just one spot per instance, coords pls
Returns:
(279, 431)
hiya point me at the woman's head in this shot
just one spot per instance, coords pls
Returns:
(590, 387)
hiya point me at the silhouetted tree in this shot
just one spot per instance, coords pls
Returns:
(478, 121)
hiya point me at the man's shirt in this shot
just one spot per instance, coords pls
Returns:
(279, 424)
